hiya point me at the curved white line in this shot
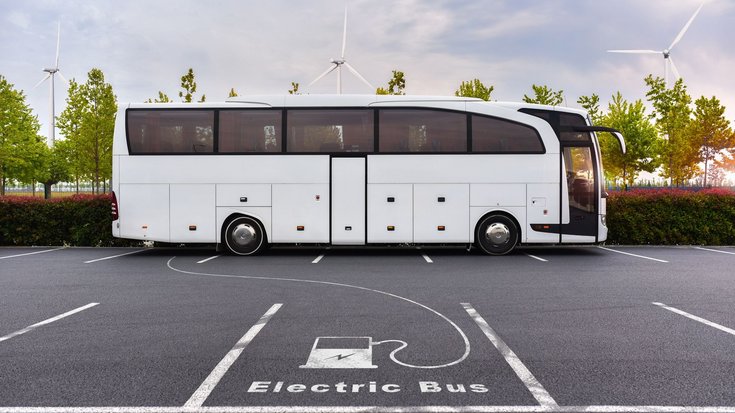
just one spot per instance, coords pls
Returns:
(392, 354)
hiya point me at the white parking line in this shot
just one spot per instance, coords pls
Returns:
(44, 322)
(317, 259)
(710, 249)
(373, 409)
(632, 255)
(114, 256)
(695, 318)
(31, 253)
(200, 395)
(537, 390)
(426, 257)
(207, 259)
(535, 257)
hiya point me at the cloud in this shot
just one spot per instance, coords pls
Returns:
(261, 47)
(18, 19)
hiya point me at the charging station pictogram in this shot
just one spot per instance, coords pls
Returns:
(341, 353)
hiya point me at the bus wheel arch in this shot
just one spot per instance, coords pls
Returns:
(244, 235)
(497, 233)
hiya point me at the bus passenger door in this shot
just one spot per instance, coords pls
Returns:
(348, 200)
(581, 191)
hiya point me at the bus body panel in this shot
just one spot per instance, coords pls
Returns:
(501, 195)
(192, 212)
(348, 201)
(300, 213)
(542, 202)
(241, 169)
(146, 209)
(471, 169)
(441, 213)
(243, 195)
(390, 213)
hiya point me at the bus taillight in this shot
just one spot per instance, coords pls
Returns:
(115, 214)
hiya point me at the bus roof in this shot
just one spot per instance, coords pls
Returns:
(327, 100)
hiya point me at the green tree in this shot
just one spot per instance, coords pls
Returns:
(53, 168)
(475, 89)
(640, 140)
(88, 123)
(711, 131)
(592, 105)
(189, 86)
(294, 88)
(69, 123)
(162, 98)
(396, 85)
(232, 94)
(678, 152)
(543, 95)
(20, 142)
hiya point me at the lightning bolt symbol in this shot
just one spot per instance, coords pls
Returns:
(339, 356)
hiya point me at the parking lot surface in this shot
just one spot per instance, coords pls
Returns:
(606, 329)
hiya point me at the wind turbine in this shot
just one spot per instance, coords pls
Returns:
(51, 72)
(341, 61)
(668, 61)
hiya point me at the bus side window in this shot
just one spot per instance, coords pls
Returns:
(494, 135)
(422, 131)
(249, 130)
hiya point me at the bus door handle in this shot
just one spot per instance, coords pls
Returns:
(243, 199)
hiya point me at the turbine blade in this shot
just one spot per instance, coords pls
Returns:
(42, 80)
(326, 72)
(344, 37)
(58, 42)
(359, 76)
(63, 78)
(636, 51)
(686, 27)
(674, 69)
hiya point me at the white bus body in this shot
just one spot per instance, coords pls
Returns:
(356, 170)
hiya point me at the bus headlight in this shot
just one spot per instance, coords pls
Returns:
(603, 218)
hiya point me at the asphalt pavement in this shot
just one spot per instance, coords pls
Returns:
(627, 329)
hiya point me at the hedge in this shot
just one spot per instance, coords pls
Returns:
(79, 220)
(671, 217)
(659, 217)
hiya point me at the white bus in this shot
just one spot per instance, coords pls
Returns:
(357, 170)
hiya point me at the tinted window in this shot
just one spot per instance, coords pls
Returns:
(499, 136)
(330, 130)
(170, 131)
(249, 131)
(422, 130)
(567, 120)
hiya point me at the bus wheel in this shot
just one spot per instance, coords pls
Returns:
(497, 235)
(244, 236)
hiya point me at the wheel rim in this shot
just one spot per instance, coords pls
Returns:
(497, 233)
(244, 235)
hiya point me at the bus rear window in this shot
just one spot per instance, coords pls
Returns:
(170, 131)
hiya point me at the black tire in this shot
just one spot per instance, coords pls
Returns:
(497, 234)
(244, 236)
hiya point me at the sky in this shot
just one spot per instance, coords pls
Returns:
(260, 47)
